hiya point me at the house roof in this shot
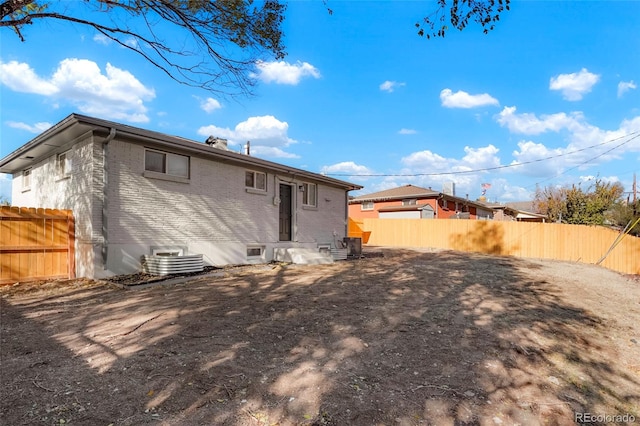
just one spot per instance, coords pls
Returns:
(525, 206)
(401, 192)
(76, 125)
(411, 191)
(518, 209)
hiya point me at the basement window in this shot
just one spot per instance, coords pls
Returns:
(166, 163)
(255, 251)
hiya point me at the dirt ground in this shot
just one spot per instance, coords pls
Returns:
(406, 337)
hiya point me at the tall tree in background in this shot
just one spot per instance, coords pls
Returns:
(551, 201)
(577, 206)
(217, 43)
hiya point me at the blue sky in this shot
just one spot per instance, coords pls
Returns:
(550, 97)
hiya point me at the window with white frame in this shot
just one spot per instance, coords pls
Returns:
(63, 164)
(255, 180)
(309, 194)
(409, 202)
(166, 163)
(366, 205)
(26, 179)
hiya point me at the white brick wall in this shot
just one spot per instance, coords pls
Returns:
(75, 192)
(212, 214)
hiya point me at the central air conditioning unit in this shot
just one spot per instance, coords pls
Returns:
(167, 265)
(354, 246)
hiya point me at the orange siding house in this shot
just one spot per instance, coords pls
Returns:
(411, 201)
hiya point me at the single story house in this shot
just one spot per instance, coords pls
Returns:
(521, 211)
(411, 201)
(137, 192)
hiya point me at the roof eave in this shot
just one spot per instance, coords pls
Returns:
(162, 140)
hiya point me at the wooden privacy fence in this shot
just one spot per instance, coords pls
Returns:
(576, 243)
(36, 244)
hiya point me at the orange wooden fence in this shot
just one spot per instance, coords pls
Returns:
(576, 243)
(36, 244)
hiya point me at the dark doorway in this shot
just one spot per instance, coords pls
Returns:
(285, 212)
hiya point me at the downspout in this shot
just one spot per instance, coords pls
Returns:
(346, 213)
(105, 197)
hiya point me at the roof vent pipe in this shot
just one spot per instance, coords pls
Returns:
(247, 148)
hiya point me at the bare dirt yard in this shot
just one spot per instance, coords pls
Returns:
(405, 337)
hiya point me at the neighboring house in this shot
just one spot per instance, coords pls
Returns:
(411, 201)
(521, 211)
(136, 192)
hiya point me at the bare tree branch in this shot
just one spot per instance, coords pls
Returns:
(458, 13)
(218, 45)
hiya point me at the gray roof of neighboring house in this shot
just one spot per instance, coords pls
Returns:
(76, 125)
(522, 209)
(525, 206)
(406, 191)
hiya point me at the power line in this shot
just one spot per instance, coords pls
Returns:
(487, 169)
(594, 158)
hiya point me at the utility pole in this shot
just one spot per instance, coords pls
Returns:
(634, 189)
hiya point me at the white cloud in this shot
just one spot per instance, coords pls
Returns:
(118, 94)
(390, 86)
(407, 132)
(209, 105)
(35, 128)
(102, 39)
(462, 99)
(352, 170)
(284, 73)
(19, 77)
(625, 86)
(132, 42)
(481, 158)
(271, 152)
(438, 168)
(507, 191)
(573, 86)
(530, 124)
(267, 134)
(530, 152)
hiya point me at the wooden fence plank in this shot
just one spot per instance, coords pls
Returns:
(36, 244)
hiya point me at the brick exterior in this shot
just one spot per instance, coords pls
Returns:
(212, 209)
(123, 212)
(79, 192)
